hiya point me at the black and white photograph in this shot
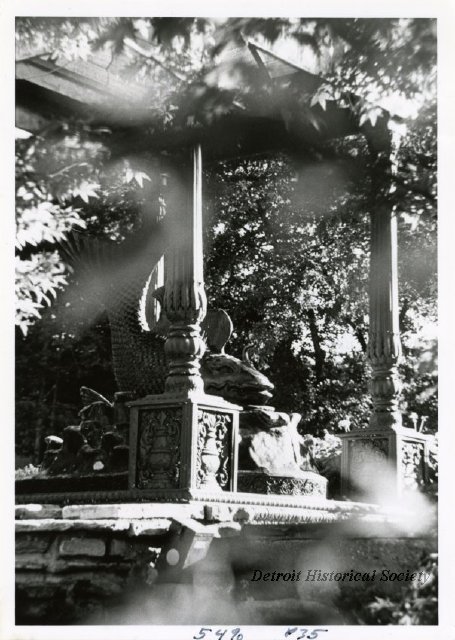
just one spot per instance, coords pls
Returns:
(226, 324)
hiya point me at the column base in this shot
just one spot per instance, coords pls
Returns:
(181, 443)
(377, 464)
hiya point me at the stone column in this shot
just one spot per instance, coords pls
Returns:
(384, 348)
(153, 310)
(385, 458)
(185, 302)
(183, 443)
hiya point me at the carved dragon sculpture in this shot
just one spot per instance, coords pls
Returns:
(119, 277)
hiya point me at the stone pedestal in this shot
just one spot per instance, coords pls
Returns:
(183, 446)
(378, 464)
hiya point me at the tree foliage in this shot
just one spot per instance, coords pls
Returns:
(288, 255)
(287, 245)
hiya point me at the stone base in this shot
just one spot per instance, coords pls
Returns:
(183, 443)
(72, 483)
(380, 463)
(241, 507)
(120, 564)
(308, 484)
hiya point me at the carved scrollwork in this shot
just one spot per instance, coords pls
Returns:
(213, 449)
(223, 446)
(278, 485)
(159, 448)
(412, 464)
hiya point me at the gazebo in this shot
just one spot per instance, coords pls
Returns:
(45, 87)
(72, 526)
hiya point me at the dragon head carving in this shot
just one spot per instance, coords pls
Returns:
(235, 380)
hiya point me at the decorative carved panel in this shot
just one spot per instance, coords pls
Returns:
(158, 454)
(365, 456)
(279, 485)
(412, 469)
(213, 449)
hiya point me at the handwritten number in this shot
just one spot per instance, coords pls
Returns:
(314, 633)
(202, 632)
(236, 635)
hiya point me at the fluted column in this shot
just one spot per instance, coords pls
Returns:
(184, 300)
(384, 347)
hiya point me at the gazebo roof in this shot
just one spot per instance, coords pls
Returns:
(98, 88)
